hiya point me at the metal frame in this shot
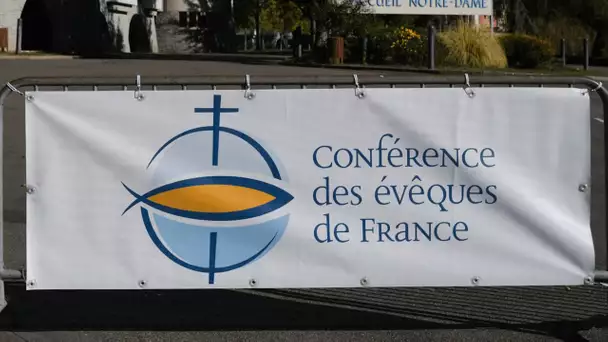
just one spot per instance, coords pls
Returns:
(19, 86)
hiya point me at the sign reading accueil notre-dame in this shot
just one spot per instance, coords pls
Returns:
(431, 7)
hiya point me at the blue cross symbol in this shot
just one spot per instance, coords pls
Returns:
(217, 111)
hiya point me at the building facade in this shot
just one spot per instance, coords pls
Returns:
(86, 26)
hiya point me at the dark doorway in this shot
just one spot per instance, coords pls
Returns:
(98, 38)
(37, 34)
(139, 39)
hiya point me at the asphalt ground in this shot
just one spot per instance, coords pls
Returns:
(463, 314)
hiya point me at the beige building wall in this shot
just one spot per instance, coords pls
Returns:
(175, 6)
(118, 16)
(10, 11)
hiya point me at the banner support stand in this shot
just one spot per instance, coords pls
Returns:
(599, 276)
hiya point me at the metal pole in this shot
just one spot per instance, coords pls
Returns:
(168, 80)
(3, 95)
(5, 274)
(258, 35)
(601, 276)
(586, 53)
(10, 274)
(19, 35)
(233, 46)
(563, 51)
(313, 33)
(603, 94)
(431, 42)
(364, 50)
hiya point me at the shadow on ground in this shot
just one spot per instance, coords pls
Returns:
(214, 57)
(218, 310)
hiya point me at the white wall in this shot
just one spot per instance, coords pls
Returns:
(122, 22)
(159, 5)
(175, 6)
(153, 36)
(10, 11)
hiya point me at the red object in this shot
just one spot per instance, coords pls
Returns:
(485, 20)
(3, 39)
(337, 50)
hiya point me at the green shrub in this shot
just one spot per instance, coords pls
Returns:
(408, 46)
(524, 51)
(378, 49)
(468, 46)
(572, 30)
(353, 51)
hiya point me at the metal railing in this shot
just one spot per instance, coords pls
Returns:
(20, 86)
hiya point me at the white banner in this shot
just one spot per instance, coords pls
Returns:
(431, 7)
(308, 188)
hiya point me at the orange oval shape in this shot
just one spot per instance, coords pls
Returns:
(212, 198)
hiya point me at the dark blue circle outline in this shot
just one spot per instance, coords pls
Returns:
(150, 229)
(267, 158)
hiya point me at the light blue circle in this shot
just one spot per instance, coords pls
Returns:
(206, 247)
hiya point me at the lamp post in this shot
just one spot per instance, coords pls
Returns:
(233, 29)
(258, 38)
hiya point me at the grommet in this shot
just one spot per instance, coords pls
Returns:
(253, 282)
(31, 283)
(588, 281)
(142, 283)
(475, 280)
(583, 187)
(29, 189)
(364, 281)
